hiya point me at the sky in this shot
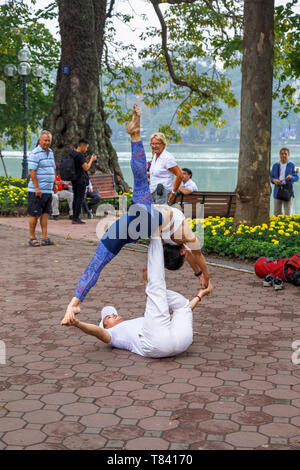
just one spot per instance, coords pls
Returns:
(127, 6)
(136, 6)
(124, 33)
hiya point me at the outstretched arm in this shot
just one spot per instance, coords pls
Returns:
(92, 330)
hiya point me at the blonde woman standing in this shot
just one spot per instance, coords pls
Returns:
(162, 171)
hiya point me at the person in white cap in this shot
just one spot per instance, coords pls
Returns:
(155, 334)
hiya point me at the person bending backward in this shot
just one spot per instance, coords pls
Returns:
(180, 243)
(155, 334)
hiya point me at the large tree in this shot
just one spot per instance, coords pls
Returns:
(78, 110)
(219, 29)
(253, 186)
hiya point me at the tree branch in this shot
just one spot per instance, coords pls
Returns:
(164, 32)
(209, 4)
(109, 13)
(110, 70)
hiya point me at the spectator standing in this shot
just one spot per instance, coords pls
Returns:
(63, 193)
(187, 186)
(79, 184)
(283, 172)
(42, 173)
(162, 171)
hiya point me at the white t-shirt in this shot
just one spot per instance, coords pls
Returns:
(282, 172)
(190, 185)
(126, 335)
(160, 173)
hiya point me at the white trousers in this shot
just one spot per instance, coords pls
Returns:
(286, 205)
(60, 195)
(162, 336)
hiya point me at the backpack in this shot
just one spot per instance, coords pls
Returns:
(292, 269)
(265, 266)
(67, 170)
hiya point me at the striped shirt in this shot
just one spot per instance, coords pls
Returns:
(44, 166)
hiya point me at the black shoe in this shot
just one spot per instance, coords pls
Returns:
(77, 221)
(278, 283)
(70, 217)
(90, 215)
(268, 281)
(55, 217)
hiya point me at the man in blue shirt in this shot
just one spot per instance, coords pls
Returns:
(41, 166)
(283, 172)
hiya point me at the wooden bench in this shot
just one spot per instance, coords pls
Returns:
(105, 185)
(215, 203)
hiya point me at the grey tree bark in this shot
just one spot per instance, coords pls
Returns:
(253, 185)
(77, 110)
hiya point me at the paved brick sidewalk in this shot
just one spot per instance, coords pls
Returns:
(235, 388)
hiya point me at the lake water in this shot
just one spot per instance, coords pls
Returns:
(214, 166)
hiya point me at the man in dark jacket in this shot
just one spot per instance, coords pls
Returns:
(79, 185)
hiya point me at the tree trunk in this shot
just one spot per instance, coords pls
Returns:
(253, 186)
(77, 110)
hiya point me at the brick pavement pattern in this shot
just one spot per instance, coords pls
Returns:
(235, 387)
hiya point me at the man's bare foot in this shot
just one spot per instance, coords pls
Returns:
(134, 127)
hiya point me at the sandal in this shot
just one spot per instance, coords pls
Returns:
(34, 242)
(46, 242)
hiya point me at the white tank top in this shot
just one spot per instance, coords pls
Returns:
(172, 226)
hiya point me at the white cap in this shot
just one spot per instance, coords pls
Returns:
(108, 310)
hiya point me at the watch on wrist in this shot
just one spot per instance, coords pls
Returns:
(198, 274)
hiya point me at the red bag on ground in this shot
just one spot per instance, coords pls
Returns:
(265, 266)
(292, 269)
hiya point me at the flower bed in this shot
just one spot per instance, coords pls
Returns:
(13, 195)
(279, 239)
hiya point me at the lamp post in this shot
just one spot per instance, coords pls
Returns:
(24, 70)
